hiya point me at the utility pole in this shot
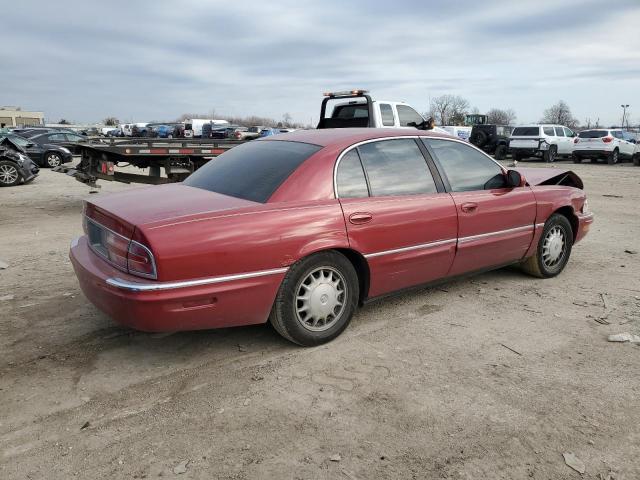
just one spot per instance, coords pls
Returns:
(624, 113)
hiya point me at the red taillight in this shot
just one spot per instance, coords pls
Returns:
(140, 260)
(117, 248)
(237, 135)
(575, 140)
(607, 139)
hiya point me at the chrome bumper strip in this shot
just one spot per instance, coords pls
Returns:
(155, 286)
(413, 247)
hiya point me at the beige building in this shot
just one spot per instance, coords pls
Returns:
(16, 117)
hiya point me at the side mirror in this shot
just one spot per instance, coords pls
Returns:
(514, 179)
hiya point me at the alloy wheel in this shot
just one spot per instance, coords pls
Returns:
(53, 160)
(8, 174)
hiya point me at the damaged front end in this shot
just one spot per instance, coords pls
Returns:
(551, 176)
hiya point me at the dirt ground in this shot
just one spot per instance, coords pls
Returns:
(421, 385)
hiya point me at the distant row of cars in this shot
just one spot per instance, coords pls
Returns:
(549, 142)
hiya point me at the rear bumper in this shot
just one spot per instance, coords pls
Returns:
(526, 152)
(591, 153)
(172, 306)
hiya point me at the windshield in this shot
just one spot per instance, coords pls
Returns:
(18, 140)
(526, 131)
(252, 171)
(593, 134)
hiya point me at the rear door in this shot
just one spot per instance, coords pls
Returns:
(397, 213)
(563, 141)
(495, 223)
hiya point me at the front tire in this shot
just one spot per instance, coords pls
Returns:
(553, 250)
(9, 174)
(52, 159)
(316, 300)
(501, 152)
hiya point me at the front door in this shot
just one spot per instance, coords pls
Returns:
(396, 214)
(495, 223)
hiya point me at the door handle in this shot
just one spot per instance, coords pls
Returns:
(469, 207)
(359, 218)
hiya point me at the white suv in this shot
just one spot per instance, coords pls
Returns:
(545, 141)
(602, 143)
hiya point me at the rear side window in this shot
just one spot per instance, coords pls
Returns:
(407, 115)
(387, 115)
(351, 181)
(351, 111)
(526, 132)
(617, 134)
(559, 132)
(593, 134)
(466, 168)
(252, 171)
(57, 137)
(548, 131)
(396, 167)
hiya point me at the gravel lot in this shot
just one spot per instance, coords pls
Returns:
(421, 385)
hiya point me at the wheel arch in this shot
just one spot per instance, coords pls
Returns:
(361, 266)
(567, 212)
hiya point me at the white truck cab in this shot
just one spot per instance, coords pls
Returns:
(355, 108)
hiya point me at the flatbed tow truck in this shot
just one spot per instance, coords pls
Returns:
(180, 157)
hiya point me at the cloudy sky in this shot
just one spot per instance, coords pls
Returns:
(154, 60)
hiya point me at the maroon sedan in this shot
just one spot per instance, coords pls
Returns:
(301, 228)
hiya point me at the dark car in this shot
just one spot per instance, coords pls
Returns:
(493, 139)
(41, 151)
(33, 131)
(69, 140)
(15, 166)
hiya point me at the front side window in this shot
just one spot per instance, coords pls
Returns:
(548, 131)
(407, 115)
(396, 167)
(351, 181)
(252, 171)
(617, 134)
(466, 168)
(568, 133)
(386, 112)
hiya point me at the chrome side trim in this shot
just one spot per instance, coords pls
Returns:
(493, 234)
(150, 287)
(74, 242)
(585, 216)
(413, 247)
(539, 225)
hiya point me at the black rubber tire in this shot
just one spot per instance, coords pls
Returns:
(636, 159)
(501, 152)
(534, 264)
(480, 138)
(10, 167)
(613, 157)
(517, 156)
(52, 159)
(551, 154)
(283, 316)
(576, 158)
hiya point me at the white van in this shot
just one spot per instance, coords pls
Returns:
(193, 126)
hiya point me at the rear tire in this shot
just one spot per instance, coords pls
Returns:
(550, 155)
(613, 157)
(316, 300)
(9, 174)
(553, 250)
(501, 152)
(52, 159)
(576, 158)
(636, 159)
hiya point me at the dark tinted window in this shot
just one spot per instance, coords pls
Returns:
(387, 115)
(351, 111)
(350, 179)
(252, 171)
(568, 133)
(526, 131)
(593, 134)
(56, 137)
(465, 167)
(396, 167)
(407, 115)
(75, 138)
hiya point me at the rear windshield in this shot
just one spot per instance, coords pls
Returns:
(351, 111)
(526, 131)
(593, 134)
(252, 171)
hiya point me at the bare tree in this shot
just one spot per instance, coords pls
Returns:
(63, 122)
(449, 109)
(111, 121)
(286, 119)
(499, 116)
(560, 114)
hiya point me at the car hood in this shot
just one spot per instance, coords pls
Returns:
(550, 176)
(158, 205)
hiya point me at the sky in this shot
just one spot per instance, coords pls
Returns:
(155, 60)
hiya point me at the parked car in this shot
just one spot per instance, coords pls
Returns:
(222, 131)
(193, 127)
(636, 155)
(493, 139)
(43, 154)
(15, 166)
(162, 131)
(301, 228)
(269, 132)
(250, 134)
(542, 141)
(602, 143)
(69, 140)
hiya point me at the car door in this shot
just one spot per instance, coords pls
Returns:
(396, 213)
(626, 148)
(571, 136)
(495, 223)
(563, 147)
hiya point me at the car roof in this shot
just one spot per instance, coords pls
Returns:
(335, 136)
